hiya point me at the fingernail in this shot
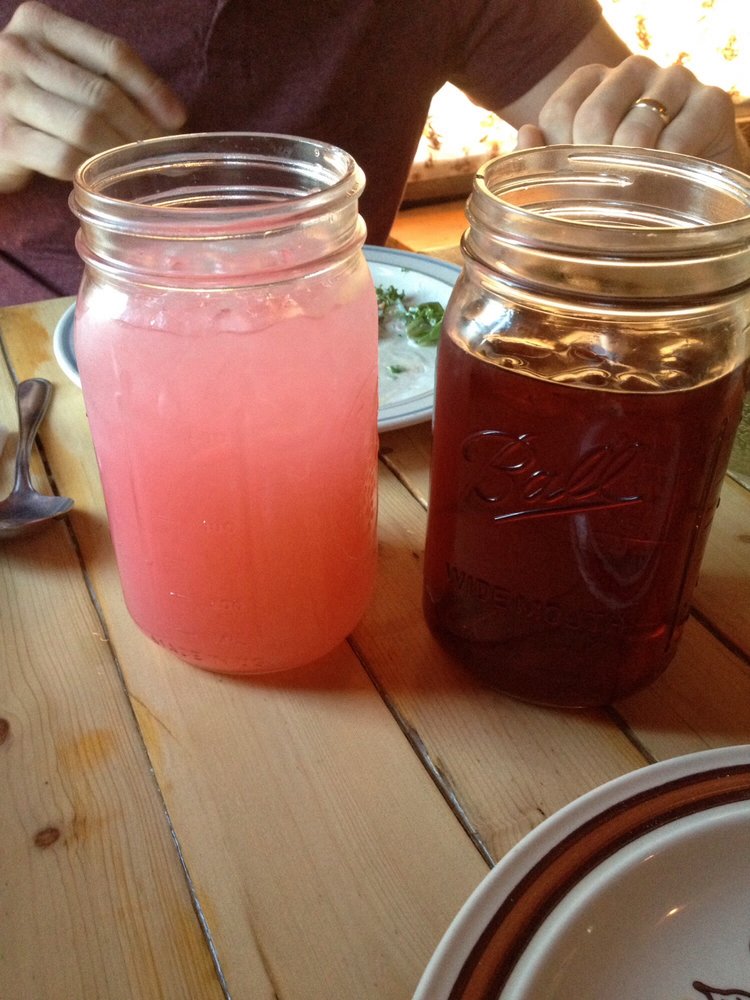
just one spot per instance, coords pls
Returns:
(176, 115)
(172, 112)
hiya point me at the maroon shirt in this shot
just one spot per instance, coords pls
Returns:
(356, 73)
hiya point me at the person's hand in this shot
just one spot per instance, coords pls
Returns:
(596, 105)
(67, 91)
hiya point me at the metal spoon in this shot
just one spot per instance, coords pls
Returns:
(25, 509)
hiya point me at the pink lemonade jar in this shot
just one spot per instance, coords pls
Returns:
(226, 337)
(591, 374)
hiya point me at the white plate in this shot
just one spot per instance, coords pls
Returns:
(640, 888)
(62, 345)
(409, 398)
(406, 400)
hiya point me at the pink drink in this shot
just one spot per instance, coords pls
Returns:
(236, 433)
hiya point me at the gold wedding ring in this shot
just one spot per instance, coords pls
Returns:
(651, 104)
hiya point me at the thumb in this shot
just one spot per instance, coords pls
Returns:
(529, 136)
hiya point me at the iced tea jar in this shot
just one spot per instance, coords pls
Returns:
(226, 337)
(591, 374)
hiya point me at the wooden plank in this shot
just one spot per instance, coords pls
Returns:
(93, 899)
(701, 701)
(302, 812)
(406, 452)
(723, 593)
(305, 817)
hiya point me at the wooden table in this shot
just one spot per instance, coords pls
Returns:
(171, 833)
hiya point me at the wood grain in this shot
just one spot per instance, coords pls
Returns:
(93, 898)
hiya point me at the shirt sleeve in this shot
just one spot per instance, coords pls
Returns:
(510, 45)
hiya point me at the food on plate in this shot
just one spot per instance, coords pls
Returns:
(408, 335)
(419, 321)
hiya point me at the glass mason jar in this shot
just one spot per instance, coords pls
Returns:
(226, 337)
(591, 374)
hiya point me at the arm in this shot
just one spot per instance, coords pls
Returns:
(67, 91)
(588, 98)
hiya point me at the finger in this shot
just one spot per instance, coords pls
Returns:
(557, 117)
(644, 126)
(13, 178)
(102, 54)
(78, 126)
(604, 108)
(529, 136)
(596, 105)
(31, 150)
(704, 126)
(51, 73)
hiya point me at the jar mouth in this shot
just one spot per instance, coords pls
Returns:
(628, 201)
(229, 183)
(610, 222)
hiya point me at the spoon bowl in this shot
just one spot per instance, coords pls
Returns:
(25, 509)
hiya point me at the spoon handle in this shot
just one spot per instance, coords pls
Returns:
(32, 399)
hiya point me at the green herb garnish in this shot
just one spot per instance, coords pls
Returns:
(390, 300)
(421, 322)
(423, 325)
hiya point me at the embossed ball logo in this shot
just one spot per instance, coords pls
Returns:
(505, 474)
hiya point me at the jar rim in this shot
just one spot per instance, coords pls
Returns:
(706, 202)
(325, 175)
